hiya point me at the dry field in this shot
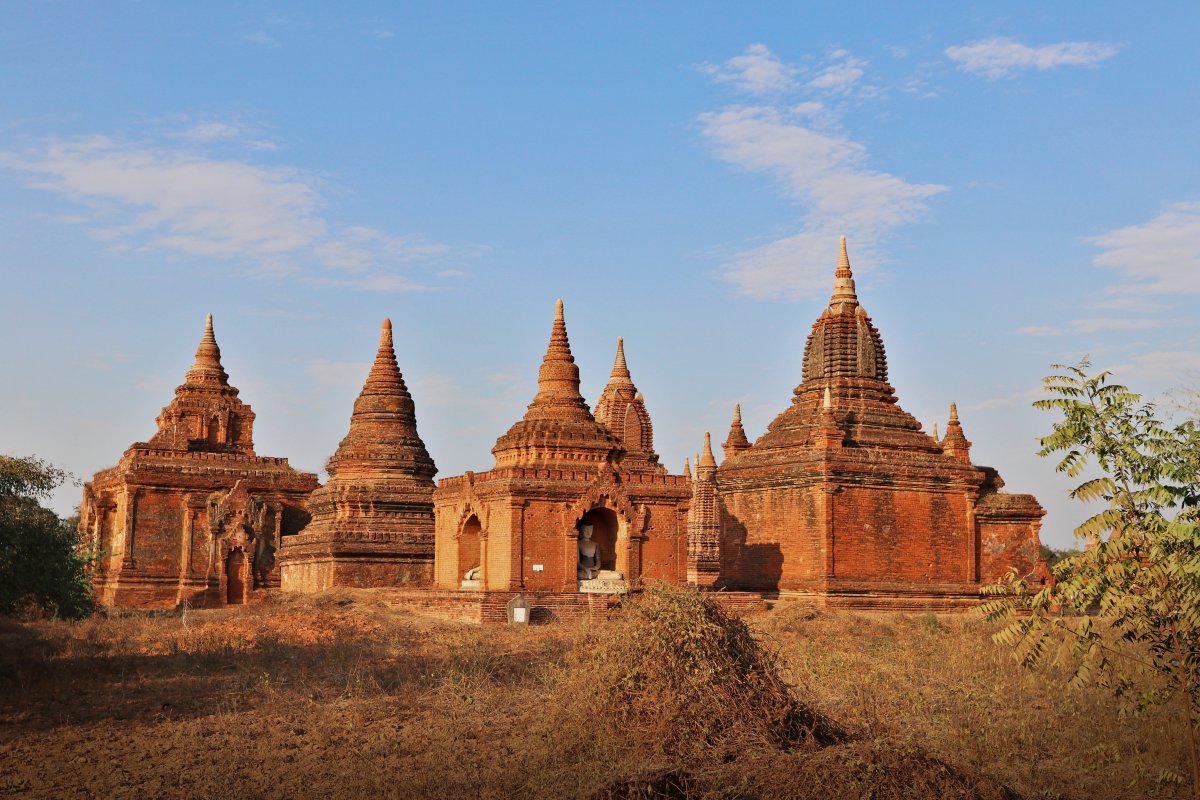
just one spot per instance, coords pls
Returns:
(343, 696)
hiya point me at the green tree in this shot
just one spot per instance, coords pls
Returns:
(40, 563)
(1125, 612)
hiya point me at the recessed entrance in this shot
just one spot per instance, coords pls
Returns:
(468, 546)
(235, 583)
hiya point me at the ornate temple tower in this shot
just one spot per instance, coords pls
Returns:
(845, 496)
(193, 515)
(516, 526)
(372, 522)
(622, 409)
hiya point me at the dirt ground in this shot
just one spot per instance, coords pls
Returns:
(340, 695)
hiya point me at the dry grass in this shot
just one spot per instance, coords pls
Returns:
(342, 696)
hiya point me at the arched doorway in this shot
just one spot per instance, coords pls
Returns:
(235, 582)
(468, 547)
(604, 534)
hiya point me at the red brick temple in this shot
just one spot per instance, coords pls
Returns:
(844, 498)
(193, 515)
(847, 498)
(372, 522)
(517, 527)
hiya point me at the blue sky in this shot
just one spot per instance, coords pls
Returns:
(1019, 186)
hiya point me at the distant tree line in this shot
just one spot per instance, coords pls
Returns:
(42, 570)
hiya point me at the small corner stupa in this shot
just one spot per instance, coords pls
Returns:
(193, 515)
(562, 475)
(372, 522)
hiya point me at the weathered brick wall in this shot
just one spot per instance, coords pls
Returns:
(1005, 544)
(901, 535)
(773, 539)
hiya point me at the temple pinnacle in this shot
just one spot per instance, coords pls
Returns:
(737, 412)
(558, 394)
(827, 403)
(843, 284)
(706, 459)
(207, 365)
(620, 368)
(953, 413)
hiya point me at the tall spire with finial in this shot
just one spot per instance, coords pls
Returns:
(687, 468)
(383, 439)
(843, 283)
(206, 414)
(558, 427)
(558, 394)
(207, 366)
(736, 442)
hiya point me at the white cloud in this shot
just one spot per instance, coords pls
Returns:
(1001, 57)
(758, 72)
(1157, 369)
(841, 76)
(179, 201)
(1159, 256)
(827, 173)
(1101, 325)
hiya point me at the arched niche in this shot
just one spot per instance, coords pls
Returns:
(469, 548)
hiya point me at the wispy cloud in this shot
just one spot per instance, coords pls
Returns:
(1101, 325)
(757, 72)
(841, 75)
(176, 199)
(1157, 369)
(1159, 256)
(829, 175)
(1001, 57)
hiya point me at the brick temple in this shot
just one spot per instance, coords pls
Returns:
(847, 498)
(844, 498)
(517, 526)
(372, 522)
(193, 515)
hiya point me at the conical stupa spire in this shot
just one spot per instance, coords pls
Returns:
(955, 443)
(843, 284)
(207, 366)
(687, 468)
(383, 436)
(935, 433)
(620, 368)
(558, 394)
(736, 442)
(706, 458)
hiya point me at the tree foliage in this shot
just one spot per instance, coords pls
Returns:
(1124, 612)
(40, 565)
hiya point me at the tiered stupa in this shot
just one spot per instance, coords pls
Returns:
(372, 522)
(845, 496)
(193, 515)
(517, 526)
